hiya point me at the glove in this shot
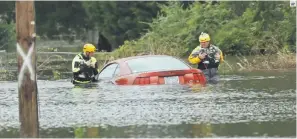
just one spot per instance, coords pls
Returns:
(195, 54)
(82, 65)
(202, 55)
(88, 63)
(217, 56)
(92, 64)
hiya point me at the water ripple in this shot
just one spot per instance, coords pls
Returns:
(62, 105)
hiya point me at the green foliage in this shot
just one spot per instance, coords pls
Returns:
(176, 30)
(7, 37)
(7, 27)
(164, 27)
(233, 38)
(270, 27)
(236, 27)
(56, 74)
(126, 50)
(120, 20)
(7, 12)
(60, 18)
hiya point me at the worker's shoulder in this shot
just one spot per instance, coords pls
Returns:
(215, 46)
(93, 58)
(197, 48)
(78, 56)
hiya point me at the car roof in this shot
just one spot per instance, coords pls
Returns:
(121, 60)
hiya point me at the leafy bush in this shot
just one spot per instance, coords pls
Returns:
(258, 25)
(7, 37)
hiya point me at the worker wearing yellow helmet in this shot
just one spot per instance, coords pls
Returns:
(208, 57)
(84, 65)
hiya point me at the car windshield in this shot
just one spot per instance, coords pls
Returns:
(160, 63)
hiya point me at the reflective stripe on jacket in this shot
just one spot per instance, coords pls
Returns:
(80, 71)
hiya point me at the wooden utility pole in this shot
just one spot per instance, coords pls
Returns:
(26, 55)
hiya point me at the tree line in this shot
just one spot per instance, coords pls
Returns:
(116, 20)
(236, 27)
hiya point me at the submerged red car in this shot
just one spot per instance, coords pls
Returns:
(151, 70)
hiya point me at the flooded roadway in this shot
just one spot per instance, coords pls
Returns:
(257, 104)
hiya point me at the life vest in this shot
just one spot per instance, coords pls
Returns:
(83, 73)
(209, 61)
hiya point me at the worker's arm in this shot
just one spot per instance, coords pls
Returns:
(193, 58)
(76, 65)
(95, 65)
(221, 56)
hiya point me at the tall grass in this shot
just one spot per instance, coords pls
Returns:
(279, 61)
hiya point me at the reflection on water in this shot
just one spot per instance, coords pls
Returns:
(241, 105)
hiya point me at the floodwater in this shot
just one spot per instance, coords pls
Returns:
(258, 104)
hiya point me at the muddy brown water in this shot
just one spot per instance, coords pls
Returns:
(257, 104)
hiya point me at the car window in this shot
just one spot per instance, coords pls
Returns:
(160, 63)
(117, 71)
(109, 71)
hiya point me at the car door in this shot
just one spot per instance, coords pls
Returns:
(108, 72)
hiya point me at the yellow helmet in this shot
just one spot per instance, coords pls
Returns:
(89, 48)
(204, 37)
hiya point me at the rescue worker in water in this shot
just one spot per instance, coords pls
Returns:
(208, 57)
(84, 66)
